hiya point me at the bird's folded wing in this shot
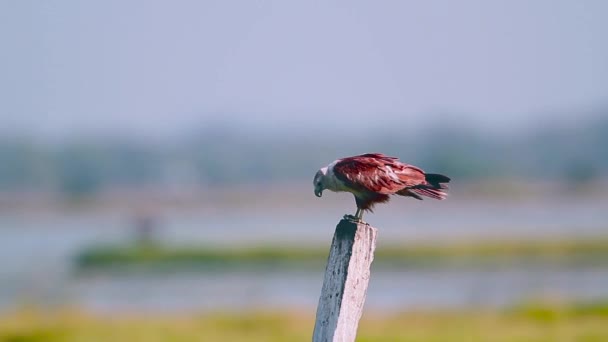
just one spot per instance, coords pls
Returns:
(377, 173)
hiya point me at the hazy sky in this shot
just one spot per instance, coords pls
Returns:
(162, 67)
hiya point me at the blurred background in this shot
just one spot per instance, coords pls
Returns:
(156, 159)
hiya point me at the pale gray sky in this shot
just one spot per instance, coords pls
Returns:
(162, 67)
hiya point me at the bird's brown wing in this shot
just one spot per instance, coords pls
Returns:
(377, 173)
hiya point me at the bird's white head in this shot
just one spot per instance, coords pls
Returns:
(319, 181)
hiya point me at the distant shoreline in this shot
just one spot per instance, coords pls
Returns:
(287, 194)
(469, 254)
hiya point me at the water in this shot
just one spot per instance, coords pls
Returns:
(36, 254)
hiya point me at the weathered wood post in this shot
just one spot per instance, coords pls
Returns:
(345, 283)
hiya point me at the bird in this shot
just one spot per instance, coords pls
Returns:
(373, 177)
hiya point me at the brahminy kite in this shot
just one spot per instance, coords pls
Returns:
(372, 177)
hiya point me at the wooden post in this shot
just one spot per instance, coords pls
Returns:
(345, 283)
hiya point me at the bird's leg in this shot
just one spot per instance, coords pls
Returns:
(360, 217)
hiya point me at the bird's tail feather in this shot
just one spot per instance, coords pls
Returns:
(430, 192)
(436, 186)
(436, 180)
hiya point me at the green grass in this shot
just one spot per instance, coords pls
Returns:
(573, 252)
(527, 323)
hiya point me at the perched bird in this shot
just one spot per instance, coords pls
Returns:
(373, 177)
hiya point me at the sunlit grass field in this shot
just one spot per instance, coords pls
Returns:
(526, 323)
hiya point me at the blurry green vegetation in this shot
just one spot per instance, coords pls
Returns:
(555, 323)
(588, 252)
(228, 154)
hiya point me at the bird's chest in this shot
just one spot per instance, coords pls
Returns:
(339, 186)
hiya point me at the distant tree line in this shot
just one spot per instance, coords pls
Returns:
(235, 156)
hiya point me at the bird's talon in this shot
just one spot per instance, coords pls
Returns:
(351, 218)
(355, 219)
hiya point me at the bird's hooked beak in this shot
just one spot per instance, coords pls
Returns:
(318, 183)
(318, 192)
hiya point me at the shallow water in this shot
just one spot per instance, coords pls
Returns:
(389, 289)
(36, 255)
